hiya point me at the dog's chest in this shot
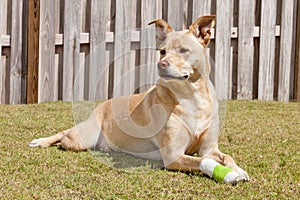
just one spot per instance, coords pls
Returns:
(195, 113)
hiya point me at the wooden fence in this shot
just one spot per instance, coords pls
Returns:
(96, 49)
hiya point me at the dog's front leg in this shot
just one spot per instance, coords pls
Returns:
(185, 163)
(217, 165)
(208, 166)
(216, 157)
(173, 144)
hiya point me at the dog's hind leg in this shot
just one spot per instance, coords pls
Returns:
(81, 137)
(48, 141)
(69, 139)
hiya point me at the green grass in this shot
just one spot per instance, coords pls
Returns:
(263, 138)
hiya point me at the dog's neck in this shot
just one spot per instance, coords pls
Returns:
(187, 89)
(195, 103)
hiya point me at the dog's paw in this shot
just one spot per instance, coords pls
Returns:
(233, 177)
(41, 142)
(243, 175)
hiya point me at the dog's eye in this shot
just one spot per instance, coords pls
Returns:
(183, 50)
(162, 52)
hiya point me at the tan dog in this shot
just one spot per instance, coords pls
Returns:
(172, 121)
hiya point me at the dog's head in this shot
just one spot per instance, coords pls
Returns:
(182, 53)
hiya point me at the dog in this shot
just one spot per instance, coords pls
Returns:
(172, 121)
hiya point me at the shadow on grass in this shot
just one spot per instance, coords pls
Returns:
(126, 162)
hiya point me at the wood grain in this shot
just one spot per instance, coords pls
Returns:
(124, 73)
(267, 51)
(201, 8)
(177, 14)
(15, 81)
(148, 54)
(99, 71)
(112, 38)
(47, 74)
(297, 58)
(33, 50)
(245, 50)
(223, 49)
(71, 50)
(286, 43)
(2, 68)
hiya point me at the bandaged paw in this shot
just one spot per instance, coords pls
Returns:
(219, 172)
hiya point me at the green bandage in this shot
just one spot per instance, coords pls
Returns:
(220, 172)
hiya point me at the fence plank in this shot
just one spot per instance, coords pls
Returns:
(245, 50)
(286, 43)
(267, 49)
(47, 52)
(98, 81)
(177, 14)
(0, 32)
(148, 56)
(2, 79)
(123, 71)
(2, 69)
(71, 49)
(201, 8)
(297, 56)
(33, 50)
(16, 53)
(96, 37)
(223, 49)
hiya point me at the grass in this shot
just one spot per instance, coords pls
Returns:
(263, 138)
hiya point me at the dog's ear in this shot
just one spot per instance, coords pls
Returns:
(201, 28)
(162, 29)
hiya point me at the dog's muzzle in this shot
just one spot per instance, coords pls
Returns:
(166, 73)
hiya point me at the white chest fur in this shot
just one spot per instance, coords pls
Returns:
(194, 109)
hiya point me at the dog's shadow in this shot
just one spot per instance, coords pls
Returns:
(123, 161)
(126, 162)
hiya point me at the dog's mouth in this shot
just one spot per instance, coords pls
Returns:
(173, 77)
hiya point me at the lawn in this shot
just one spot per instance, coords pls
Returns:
(263, 138)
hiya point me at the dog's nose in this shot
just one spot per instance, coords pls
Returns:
(163, 64)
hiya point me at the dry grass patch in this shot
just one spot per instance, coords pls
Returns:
(263, 137)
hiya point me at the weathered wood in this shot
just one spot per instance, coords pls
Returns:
(234, 44)
(83, 13)
(135, 36)
(148, 55)
(223, 50)
(58, 74)
(177, 14)
(3, 80)
(5, 58)
(0, 32)
(245, 50)
(201, 8)
(33, 50)
(47, 52)
(297, 57)
(5, 40)
(124, 73)
(71, 50)
(267, 50)
(2, 68)
(286, 43)
(6, 18)
(16, 53)
(256, 71)
(98, 80)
